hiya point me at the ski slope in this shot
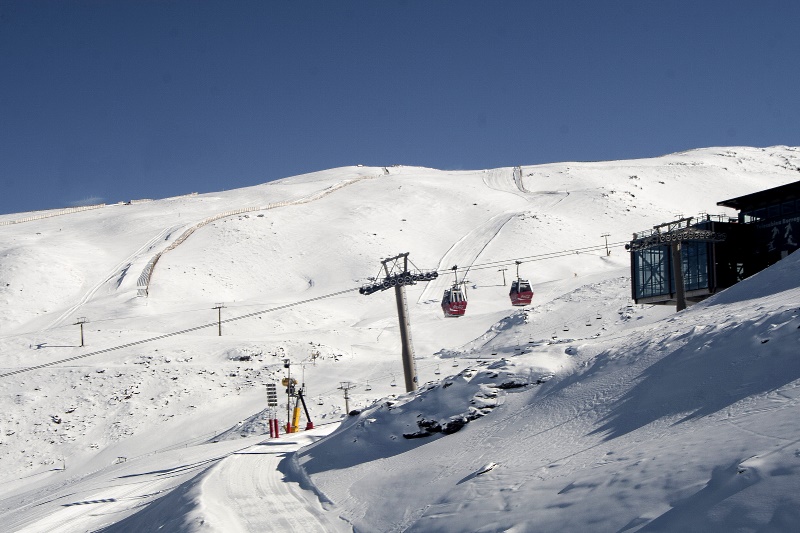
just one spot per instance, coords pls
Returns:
(608, 406)
(686, 422)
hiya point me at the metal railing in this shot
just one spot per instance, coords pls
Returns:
(683, 223)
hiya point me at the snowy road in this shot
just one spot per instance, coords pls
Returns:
(243, 491)
(246, 492)
(86, 503)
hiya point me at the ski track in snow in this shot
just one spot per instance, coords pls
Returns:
(464, 253)
(466, 250)
(119, 270)
(506, 180)
(147, 273)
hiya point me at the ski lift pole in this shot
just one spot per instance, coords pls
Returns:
(606, 236)
(287, 382)
(409, 365)
(398, 276)
(346, 386)
(296, 415)
(309, 423)
(80, 322)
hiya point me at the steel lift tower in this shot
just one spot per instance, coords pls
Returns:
(398, 275)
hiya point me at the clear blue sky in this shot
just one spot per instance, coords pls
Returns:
(113, 100)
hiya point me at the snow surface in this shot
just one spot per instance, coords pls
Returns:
(580, 412)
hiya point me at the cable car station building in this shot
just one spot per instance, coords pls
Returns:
(710, 253)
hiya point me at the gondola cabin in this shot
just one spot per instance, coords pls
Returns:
(521, 292)
(454, 302)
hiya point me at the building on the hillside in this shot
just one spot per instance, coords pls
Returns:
(714, 252)
(773, 216)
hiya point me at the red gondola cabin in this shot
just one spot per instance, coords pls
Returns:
(454, 302)
(521, 292)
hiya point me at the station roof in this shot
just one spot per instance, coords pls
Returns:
(764, 198)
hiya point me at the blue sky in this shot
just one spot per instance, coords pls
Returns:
(114, 100)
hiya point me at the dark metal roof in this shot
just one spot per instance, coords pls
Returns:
(764, 198)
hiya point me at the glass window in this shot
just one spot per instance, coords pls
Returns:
(652, 272)
(694, 259)
(774, 211)
(787, 208)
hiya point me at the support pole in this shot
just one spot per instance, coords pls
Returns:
(219, 308)
(606, 236)
(398, 276)
(309, 423)
(289, 394)
(296, 416)
(503, 270)
(80, 322)
(346, 386)
(409, 366)
(677, 271)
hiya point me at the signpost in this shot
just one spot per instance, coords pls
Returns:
(272, 403)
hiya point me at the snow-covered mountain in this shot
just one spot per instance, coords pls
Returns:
(581, 412)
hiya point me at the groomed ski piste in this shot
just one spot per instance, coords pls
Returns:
(580, 412)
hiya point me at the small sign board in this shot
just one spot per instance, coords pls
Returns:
(272, 395)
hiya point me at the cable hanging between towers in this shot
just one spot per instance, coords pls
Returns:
(400, 276)
(538, 257)
(173, 334)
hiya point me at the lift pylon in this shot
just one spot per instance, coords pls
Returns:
(397, 274)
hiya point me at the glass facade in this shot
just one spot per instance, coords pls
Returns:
(653, 270)
(787, 208)
(694, 256)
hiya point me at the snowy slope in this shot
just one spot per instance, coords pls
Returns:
(686, 422)
(326, 232)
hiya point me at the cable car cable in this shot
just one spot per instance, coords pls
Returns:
(175, 333)
(480, 266)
